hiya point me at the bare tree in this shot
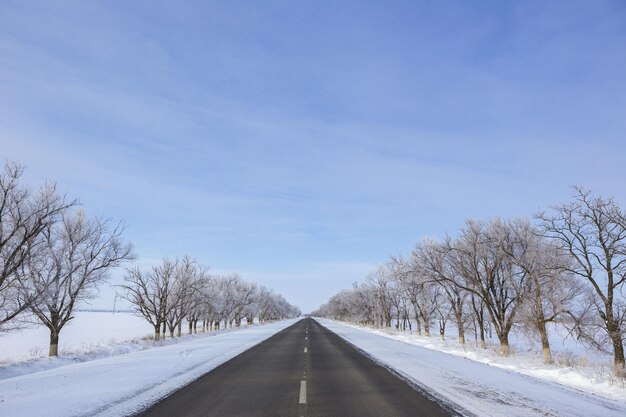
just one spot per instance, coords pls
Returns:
(180, 298)
(75, 258)
(431, 260)
(488, 273)
(182, 289)
(227, 300)
(478, 317)
(380, 282)
(24, 215)
(411, 285)
(552, 290)
(592, 230)
(148, 292)
(275, 307)
(244, 297)
(443, 311)
(201, 303)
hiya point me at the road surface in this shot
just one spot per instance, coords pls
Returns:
(304, 370)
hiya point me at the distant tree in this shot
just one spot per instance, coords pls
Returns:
(181, 297)
(431, 260)
(74, 259)
(411, 284)
(201, 303)
(148, 292)
(182, 289)
(380, 282)
(24, 215)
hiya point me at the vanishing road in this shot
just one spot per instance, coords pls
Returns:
(304, 370)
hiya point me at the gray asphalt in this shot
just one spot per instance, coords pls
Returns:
(267, 381)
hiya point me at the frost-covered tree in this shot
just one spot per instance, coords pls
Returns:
(478, 256)
(381, 283)
(181, 298)
(431, 260)
(179, 290)
(75, 257)
(148, 292)
(592, 230)
(24, 215)
(552, 290)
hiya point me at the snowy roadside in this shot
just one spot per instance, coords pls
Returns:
(473, 386)
(124, 384)
(97, 349)
(594, 378)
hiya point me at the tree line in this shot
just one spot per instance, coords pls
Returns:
(567, 265)
(182, 290)
(53, 256)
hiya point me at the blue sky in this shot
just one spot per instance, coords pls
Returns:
(301, 143)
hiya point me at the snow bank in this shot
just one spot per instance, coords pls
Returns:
(124, 384)
(474, 386)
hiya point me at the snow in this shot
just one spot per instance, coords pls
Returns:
(476, 387)
(87, 332)
(109, 367)
(124, 384)
(575, 365)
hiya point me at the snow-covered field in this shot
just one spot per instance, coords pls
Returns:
(121, 384)
(86, 333)
(473, 385)
(91, 335)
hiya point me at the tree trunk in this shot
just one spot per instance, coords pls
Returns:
(418, 324)
(545, 343)
(426, 327)
(481, 325)
(618, 349)
(479, 317)
(460, 327)
(190, 325)
(54, 343)
(157, 332)
(179, 330)
(504, 344)
(540, 323)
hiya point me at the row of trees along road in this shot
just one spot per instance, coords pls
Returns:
(567, 266)
(182, 289)
(53, 256)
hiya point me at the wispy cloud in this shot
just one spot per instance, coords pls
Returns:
(302, 144)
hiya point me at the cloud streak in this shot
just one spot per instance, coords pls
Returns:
(269, 139)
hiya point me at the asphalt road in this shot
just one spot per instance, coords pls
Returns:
(304, 370)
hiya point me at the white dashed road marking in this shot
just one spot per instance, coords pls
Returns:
(302, 392)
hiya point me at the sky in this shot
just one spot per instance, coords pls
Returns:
(302, 143)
